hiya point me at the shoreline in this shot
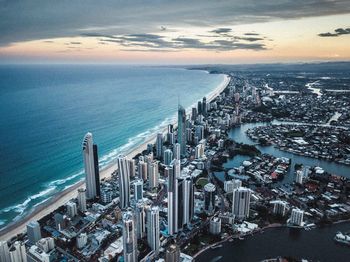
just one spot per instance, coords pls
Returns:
(59, 199)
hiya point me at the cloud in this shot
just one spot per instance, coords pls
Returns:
(153, 42)
(337, 32)
(221, 30)
(44, 19)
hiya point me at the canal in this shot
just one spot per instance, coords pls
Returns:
(316, 244)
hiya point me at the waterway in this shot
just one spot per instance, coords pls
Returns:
(239, 135)
(315, 245)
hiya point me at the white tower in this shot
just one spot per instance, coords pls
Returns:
(124, 182)
(92, 179)
(241, 202)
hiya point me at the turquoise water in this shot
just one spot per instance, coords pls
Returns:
(47, 109)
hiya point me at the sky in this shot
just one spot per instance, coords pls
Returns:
(174, 31)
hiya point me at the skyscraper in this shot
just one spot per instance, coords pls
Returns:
(297, 217)
(140, 219)
(153, 229)
(82, 199)
(153, 174)
(177, 151)
(168, 157)
(129, 238)
(209, 198)
(199, 132)
(176, 167)
(124, 182)
(181, 130)
(18, 252)
(199, 107)
(172, 253)
(4, 252)
(132, 167)
(159, 145)
(33, 232)
(142, 170)
(188, 198)
(194, 114)
(138, 190)
(180, 202)
(92, 176)
(204, 106)
(72, 210)
(172, 201)
(241, 202)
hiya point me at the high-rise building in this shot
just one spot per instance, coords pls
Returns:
(188, 198)
(82, 199)
(231, 185)
(81, 240)
(177, 151)
(18, 252)
(172, 201)
(189, 135)
(142, 170)
(153, 174)
(170, 135)
(194, 114)
(181, 130)
(159, 145)
(168, 157)
(172, 253)
(199, 151)
(106, 196)
(204, 106)
(138, 190)
(209, 198)
(46, 244)
(140, 214)
(215, 226)
(296, 217)
(124, 182)
(299, 177)
(33, 232)
(72, 209)
(153, 229)
(180, 202)
(199, 107)
(279, 207)
(132, 167)
(176, 167)
(199, 132)
(130, 253)
(92, 175)
(241, 202)
(4, 252)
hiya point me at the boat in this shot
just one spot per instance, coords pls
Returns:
(342, 238)
(241, 238)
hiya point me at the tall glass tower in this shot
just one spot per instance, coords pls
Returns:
(181, 130)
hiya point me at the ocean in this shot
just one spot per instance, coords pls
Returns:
(47, 109)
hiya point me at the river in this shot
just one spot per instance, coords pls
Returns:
(315, 245)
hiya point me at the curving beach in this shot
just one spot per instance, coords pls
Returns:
(63, 197)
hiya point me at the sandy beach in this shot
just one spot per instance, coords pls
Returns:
(63, 197)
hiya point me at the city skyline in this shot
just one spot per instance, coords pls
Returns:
(174, 32)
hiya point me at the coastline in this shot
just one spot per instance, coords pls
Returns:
(17, 227)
